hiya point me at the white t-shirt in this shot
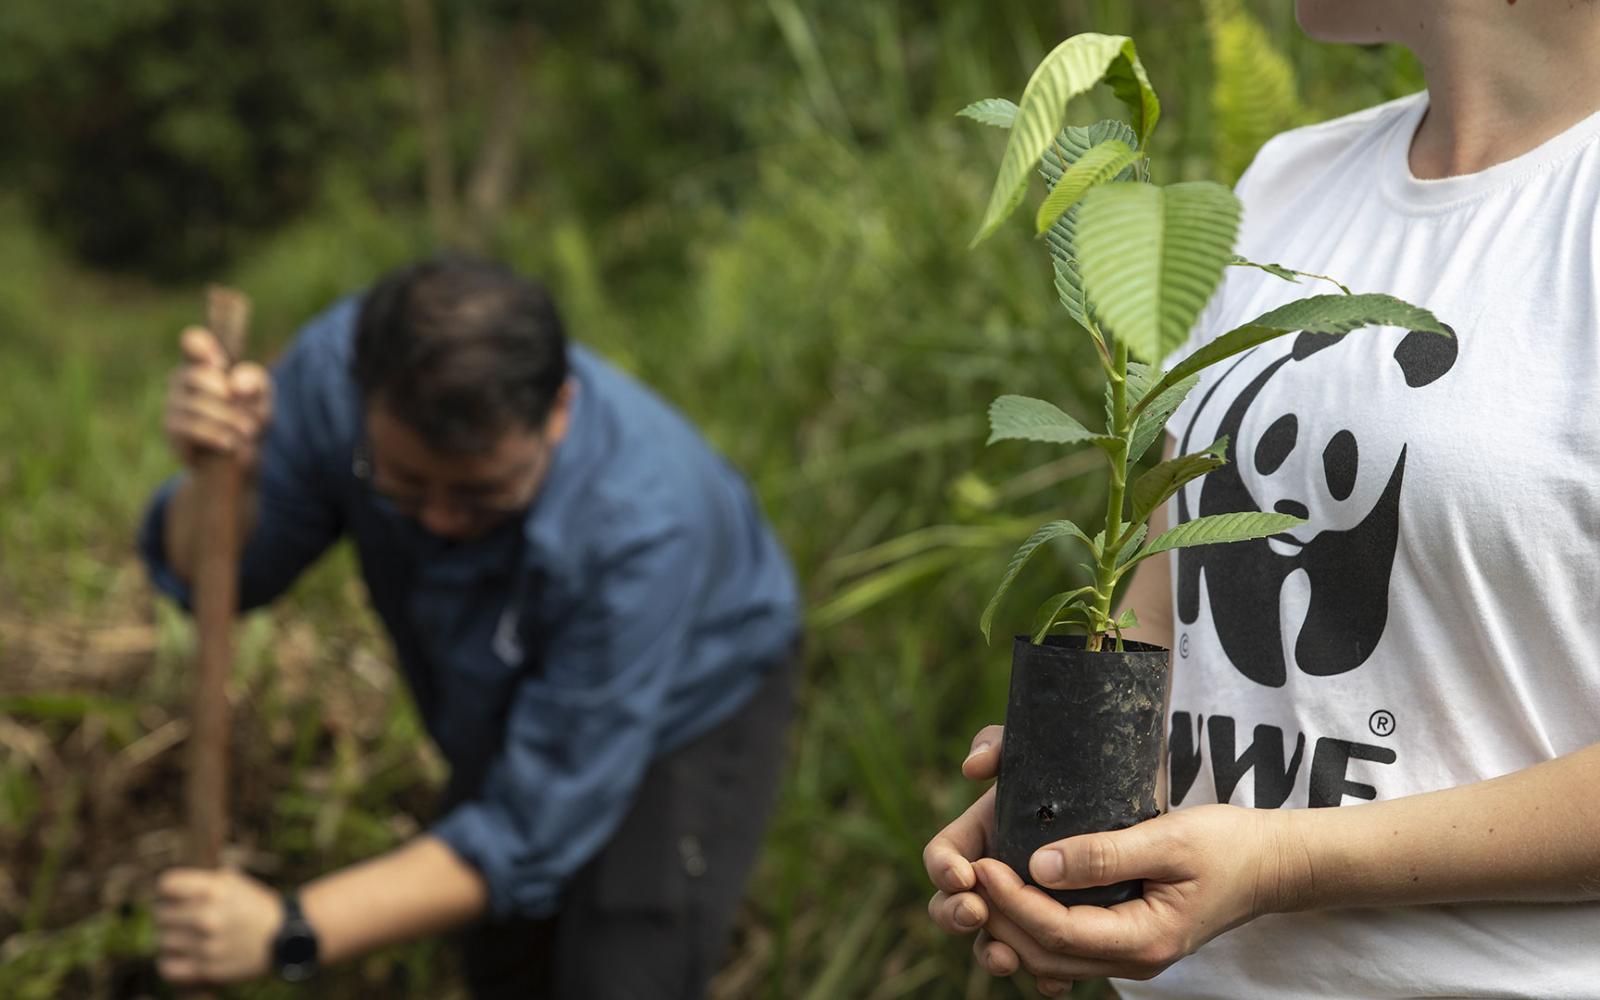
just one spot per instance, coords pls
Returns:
(1434, 625)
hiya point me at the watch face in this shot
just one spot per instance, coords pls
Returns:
(297, 949)
(295, 955)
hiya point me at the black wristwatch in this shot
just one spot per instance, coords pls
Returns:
(294, 950)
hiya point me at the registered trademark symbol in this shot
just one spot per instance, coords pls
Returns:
(1183, 645)
(1381, 723)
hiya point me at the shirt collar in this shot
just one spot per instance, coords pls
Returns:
(551, 523)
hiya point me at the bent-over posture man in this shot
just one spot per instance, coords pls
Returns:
(595, 621)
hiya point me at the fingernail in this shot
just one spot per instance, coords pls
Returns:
(981, 871)
(980, 748)
(1048, 866)
(956, 877)
(966, 914)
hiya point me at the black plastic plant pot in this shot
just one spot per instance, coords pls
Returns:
(1082, 750)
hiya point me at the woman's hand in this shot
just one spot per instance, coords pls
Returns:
(1205, 870)
(214, 927)
(957, 907)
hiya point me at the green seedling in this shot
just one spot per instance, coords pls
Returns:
(1135, 263)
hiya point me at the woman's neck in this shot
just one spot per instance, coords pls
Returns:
(1502, 78)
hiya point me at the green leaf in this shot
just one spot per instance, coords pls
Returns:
(1155, 487)
(1318, 314)
(1075, 140)
(1096, 166)
(1131, 546)
(996, 111)
(1286, 273)
(882, 585)
(1151, 257)
(1044, 533)
(1071, 69)
(1014, 418)
(1254, 95)
(1222, 528)
(1154, 416)
(1052, 608)
(1128, 620)
(1140, 378)
(1069, 147)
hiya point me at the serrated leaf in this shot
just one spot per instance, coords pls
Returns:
(1218, 528)
(1069, 289)
(1154, 416)
(1151, 257)
(1070, 145)
(1072, 68)
(1044, 533)
(996, 111)
(1131, 546)
(1254, 95)
(1276, 270)
(1318, 314)
(1155, 487)
(1096, 166)
(1053, 607)
(1013, 418)
(1288, 274)
(1140, 378)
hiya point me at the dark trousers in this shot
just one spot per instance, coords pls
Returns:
(650, 916)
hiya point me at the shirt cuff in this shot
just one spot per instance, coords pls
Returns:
(471, 831)
(153, 547)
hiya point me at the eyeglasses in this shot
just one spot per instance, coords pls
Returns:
(498, 502)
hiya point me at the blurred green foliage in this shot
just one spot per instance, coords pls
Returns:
(759, 207)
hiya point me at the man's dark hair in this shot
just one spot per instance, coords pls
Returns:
(461, 350)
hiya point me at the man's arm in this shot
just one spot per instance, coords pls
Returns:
(281, 429)
(218, 926)
(210, 408)
(181, 523)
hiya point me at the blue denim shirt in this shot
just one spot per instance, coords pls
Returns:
(640, 601)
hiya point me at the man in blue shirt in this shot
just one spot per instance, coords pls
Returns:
(594, 619)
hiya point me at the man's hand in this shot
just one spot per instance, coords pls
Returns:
(211, 407)
(214, 927)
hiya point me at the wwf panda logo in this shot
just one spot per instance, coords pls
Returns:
(1348, 568)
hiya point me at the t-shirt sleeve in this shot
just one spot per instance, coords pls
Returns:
(298, 516)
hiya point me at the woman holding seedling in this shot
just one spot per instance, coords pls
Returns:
(1410, 658)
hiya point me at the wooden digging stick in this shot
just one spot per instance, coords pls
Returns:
(218, 485)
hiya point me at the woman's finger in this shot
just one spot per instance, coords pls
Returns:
(983, 760)
(949, 855)
(997, 958)
(958, 913)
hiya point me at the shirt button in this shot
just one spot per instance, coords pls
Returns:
(694, 862)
